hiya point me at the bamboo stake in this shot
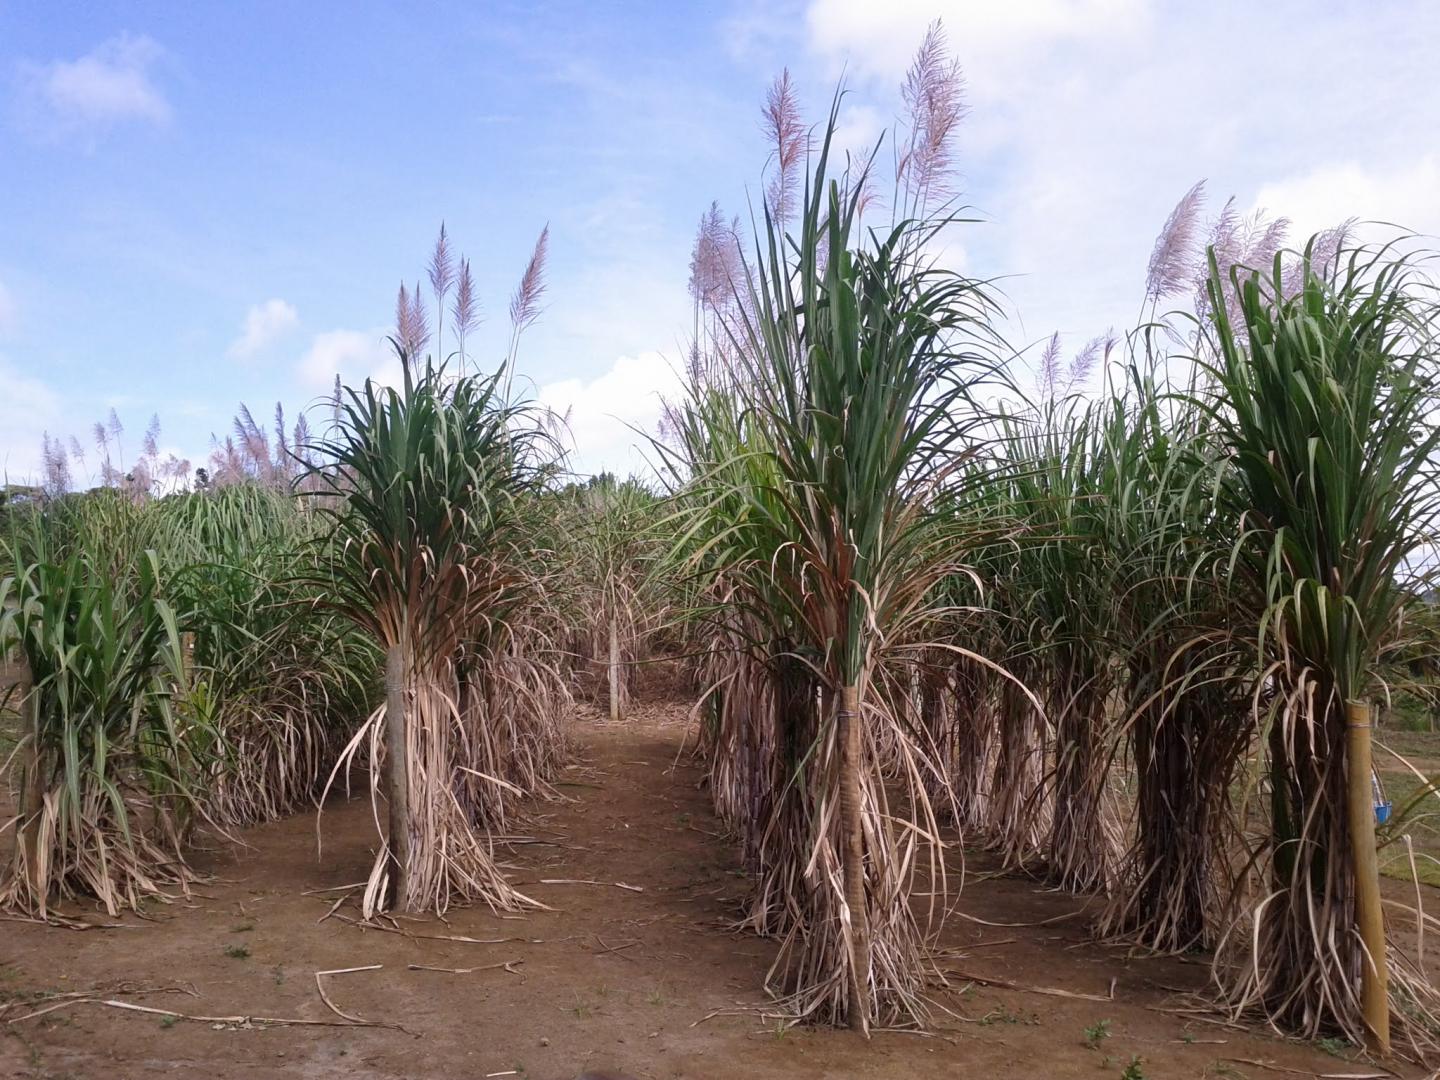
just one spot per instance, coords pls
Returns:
(852, 854)
(1369, 922)
(397, 774)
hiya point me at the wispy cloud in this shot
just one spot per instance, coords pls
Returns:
(31, 409)
(110, 85)
(354, 355)
(265, 324)
(995, 41)
(1398, 192)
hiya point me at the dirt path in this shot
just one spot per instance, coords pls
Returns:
(612, 978)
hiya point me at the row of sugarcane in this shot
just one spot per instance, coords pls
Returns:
(176, 671)
(217, 658)
(412, 593)
(1132, 642)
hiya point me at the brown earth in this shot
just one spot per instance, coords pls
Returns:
(651, 982)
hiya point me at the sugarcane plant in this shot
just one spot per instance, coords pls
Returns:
(1325, 397)
(429, 544)
(1182, 707)
(1057, 465)
(856, 364)
(614, 559)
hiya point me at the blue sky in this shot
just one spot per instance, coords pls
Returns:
(204, 204)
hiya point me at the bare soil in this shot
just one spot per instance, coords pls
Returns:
(649, 980)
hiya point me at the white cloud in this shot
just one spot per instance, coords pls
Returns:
(1407, 195)
(31, 409)
(1091, 118)
(264, 325)
(603, 413)
(858, 129)
(354, 355)
(877, 40)
(1066, 96)
(109, 85)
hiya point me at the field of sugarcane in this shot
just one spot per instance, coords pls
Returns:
(1136, 625)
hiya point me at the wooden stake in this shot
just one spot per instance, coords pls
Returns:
(852, 854)
(1369, 922)
(397, 775)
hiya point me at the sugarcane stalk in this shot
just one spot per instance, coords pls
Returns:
(615, 710)
(397, 775)
(1369, 922)
(187, 657)
(32, 795)
(852, 854)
